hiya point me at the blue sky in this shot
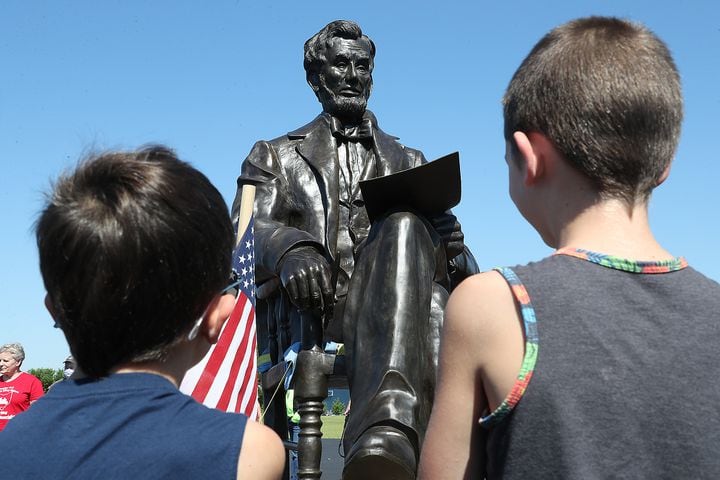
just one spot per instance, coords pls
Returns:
(211, 78)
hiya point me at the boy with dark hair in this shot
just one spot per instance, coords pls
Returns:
(135, 252)
(613, 349)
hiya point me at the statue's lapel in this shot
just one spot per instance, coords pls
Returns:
(317, 148)
(391, 156)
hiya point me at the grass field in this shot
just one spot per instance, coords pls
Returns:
(332, 426)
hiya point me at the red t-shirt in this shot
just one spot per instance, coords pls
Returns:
(16, 395)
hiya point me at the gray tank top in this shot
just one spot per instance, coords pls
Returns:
(619, 378)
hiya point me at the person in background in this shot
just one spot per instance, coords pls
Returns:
(68, 370)
(598, 361)
(18, 390)
(135, 253)
(68, 367)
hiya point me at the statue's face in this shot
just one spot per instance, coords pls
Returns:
(345, 79)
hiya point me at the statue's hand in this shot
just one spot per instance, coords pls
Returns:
(305, 274)
(447, 226)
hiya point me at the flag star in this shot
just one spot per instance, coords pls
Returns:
(244, 271)
(242, 258)
(247, 244)
(246, 284)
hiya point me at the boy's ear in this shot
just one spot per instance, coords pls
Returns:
(534, 151)
(665, 175)
(217, 314)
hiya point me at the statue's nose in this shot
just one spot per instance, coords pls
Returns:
(351, 73)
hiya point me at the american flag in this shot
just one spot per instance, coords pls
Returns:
(226, 378)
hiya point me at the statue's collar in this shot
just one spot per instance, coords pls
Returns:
(325, 119)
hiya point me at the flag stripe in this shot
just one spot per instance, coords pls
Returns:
(249, 395)
(249, 400)
(218, 353)
(247, 389)
(223, 372)
(238, 360)
(241, 383)
(239, 398)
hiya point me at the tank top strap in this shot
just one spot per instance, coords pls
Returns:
(617, 263)
(531, 349)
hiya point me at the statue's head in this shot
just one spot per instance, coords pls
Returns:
(338, 64)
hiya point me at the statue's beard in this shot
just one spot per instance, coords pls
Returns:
(345, 108)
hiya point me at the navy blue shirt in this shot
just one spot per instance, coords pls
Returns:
(132, 425)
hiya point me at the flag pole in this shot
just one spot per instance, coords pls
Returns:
(247, 204)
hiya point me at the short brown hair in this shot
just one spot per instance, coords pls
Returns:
(133, 247)
(607, 93)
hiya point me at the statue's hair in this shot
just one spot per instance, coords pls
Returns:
(607, 93)
(316, 46)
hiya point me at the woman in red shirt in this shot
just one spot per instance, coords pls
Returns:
(18, 390)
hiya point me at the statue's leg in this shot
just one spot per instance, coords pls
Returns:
(392, 320)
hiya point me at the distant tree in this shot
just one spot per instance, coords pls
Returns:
(338, 407)
(47, 376)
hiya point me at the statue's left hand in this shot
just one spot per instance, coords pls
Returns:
(448, 227)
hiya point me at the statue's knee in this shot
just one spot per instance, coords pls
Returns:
(403, 221)
(407, 232)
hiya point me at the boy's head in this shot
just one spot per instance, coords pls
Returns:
(133, 247)
(606, 93)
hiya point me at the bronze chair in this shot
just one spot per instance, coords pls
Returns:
(315, 371)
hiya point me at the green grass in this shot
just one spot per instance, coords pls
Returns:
(332, 426)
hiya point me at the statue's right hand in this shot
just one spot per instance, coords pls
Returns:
(305, 274)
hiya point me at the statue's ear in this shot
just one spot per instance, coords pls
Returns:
(313, 79)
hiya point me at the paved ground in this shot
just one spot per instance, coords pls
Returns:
(332, 463)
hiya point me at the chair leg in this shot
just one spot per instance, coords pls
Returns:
(309, 442)
(311, 383)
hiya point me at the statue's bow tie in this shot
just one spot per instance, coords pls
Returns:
(356, 133)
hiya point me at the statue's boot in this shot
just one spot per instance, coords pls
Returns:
(382, 452)
(386, 448)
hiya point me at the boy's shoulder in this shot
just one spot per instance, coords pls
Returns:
(703, 279)
(482, 318)
(469, 301)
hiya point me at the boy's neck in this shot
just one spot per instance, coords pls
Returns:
(613, 227)
(151, 368)
(179, 359)
(570, 212)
